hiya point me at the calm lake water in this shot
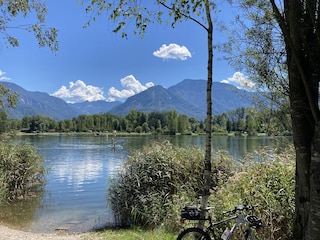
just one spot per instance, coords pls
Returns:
(75, 196)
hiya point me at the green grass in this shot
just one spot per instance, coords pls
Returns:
(131, 234)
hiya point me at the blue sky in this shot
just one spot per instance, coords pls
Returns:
(96, 64)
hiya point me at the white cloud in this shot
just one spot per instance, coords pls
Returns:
(79, 92)
(172, 51)
(130, 85)
(240, 80)
(2, 77)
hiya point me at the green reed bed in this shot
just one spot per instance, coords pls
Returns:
(157, 181)
(22, 171)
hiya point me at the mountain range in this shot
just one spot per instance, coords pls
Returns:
(187, 97)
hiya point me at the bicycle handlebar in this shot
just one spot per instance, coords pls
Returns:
(234, 210)
(241, 208)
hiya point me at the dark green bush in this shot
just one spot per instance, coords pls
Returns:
(21, 171)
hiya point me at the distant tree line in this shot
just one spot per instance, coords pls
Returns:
(241, 120)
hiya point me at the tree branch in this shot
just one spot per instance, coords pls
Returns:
(185, 15)
(287, 38)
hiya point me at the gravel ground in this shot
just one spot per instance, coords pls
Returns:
(11, 234)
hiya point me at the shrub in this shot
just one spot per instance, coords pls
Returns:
(21, 171)
(265, 179)
(156, 182)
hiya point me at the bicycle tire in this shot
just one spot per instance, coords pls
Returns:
(194, 234)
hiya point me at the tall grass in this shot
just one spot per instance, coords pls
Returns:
(159, 180)
(21, 171)
(266, 179)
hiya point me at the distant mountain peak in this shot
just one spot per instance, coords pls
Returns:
(187, 97)
(38, 103)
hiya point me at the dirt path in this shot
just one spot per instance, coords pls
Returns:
(11, 234)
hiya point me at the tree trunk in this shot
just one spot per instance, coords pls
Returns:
(302, 135)
(207, 175)
(303, 71)
(313, 228)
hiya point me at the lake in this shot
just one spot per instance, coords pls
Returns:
(75, 196)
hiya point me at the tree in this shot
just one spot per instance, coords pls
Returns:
(145, 127)
(299, 23)
(11, 9)
(124, 11)
(172, 122)
(7, 97)
(288, 33)
(219, 123)
(183, 123)
(39, 123)
(251, 121)
(3, 122)
(132, 118)
(157, 120)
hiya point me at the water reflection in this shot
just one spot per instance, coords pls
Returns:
(86, 169)
(20, 214)
(75, 194)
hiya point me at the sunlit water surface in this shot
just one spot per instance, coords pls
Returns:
(75, 196)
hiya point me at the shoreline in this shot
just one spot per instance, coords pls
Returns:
(7, 233)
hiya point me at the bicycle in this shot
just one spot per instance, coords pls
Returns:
(249, 222)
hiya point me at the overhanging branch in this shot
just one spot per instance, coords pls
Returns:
(185, 15)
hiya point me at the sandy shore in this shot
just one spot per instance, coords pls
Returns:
(12, 234)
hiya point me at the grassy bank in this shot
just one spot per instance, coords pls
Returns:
(132, 234)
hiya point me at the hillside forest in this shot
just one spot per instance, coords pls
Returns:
(240, 121)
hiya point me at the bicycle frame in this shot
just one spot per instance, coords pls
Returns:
(240, 219)
(248, 220)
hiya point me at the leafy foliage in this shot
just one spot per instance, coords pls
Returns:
(10, 10)
(7, 97)
(266, 179)
(124, 13)
(260, 51)
(21, 171)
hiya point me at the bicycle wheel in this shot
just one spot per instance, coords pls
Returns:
(194, 234)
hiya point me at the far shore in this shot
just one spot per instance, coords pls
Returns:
(113, 134)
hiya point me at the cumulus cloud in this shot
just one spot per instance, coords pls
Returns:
(172, 51)
(240, 80)
(79, 92)
(130, 85)
(2, 77)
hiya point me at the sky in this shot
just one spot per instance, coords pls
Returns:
(96, 64)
